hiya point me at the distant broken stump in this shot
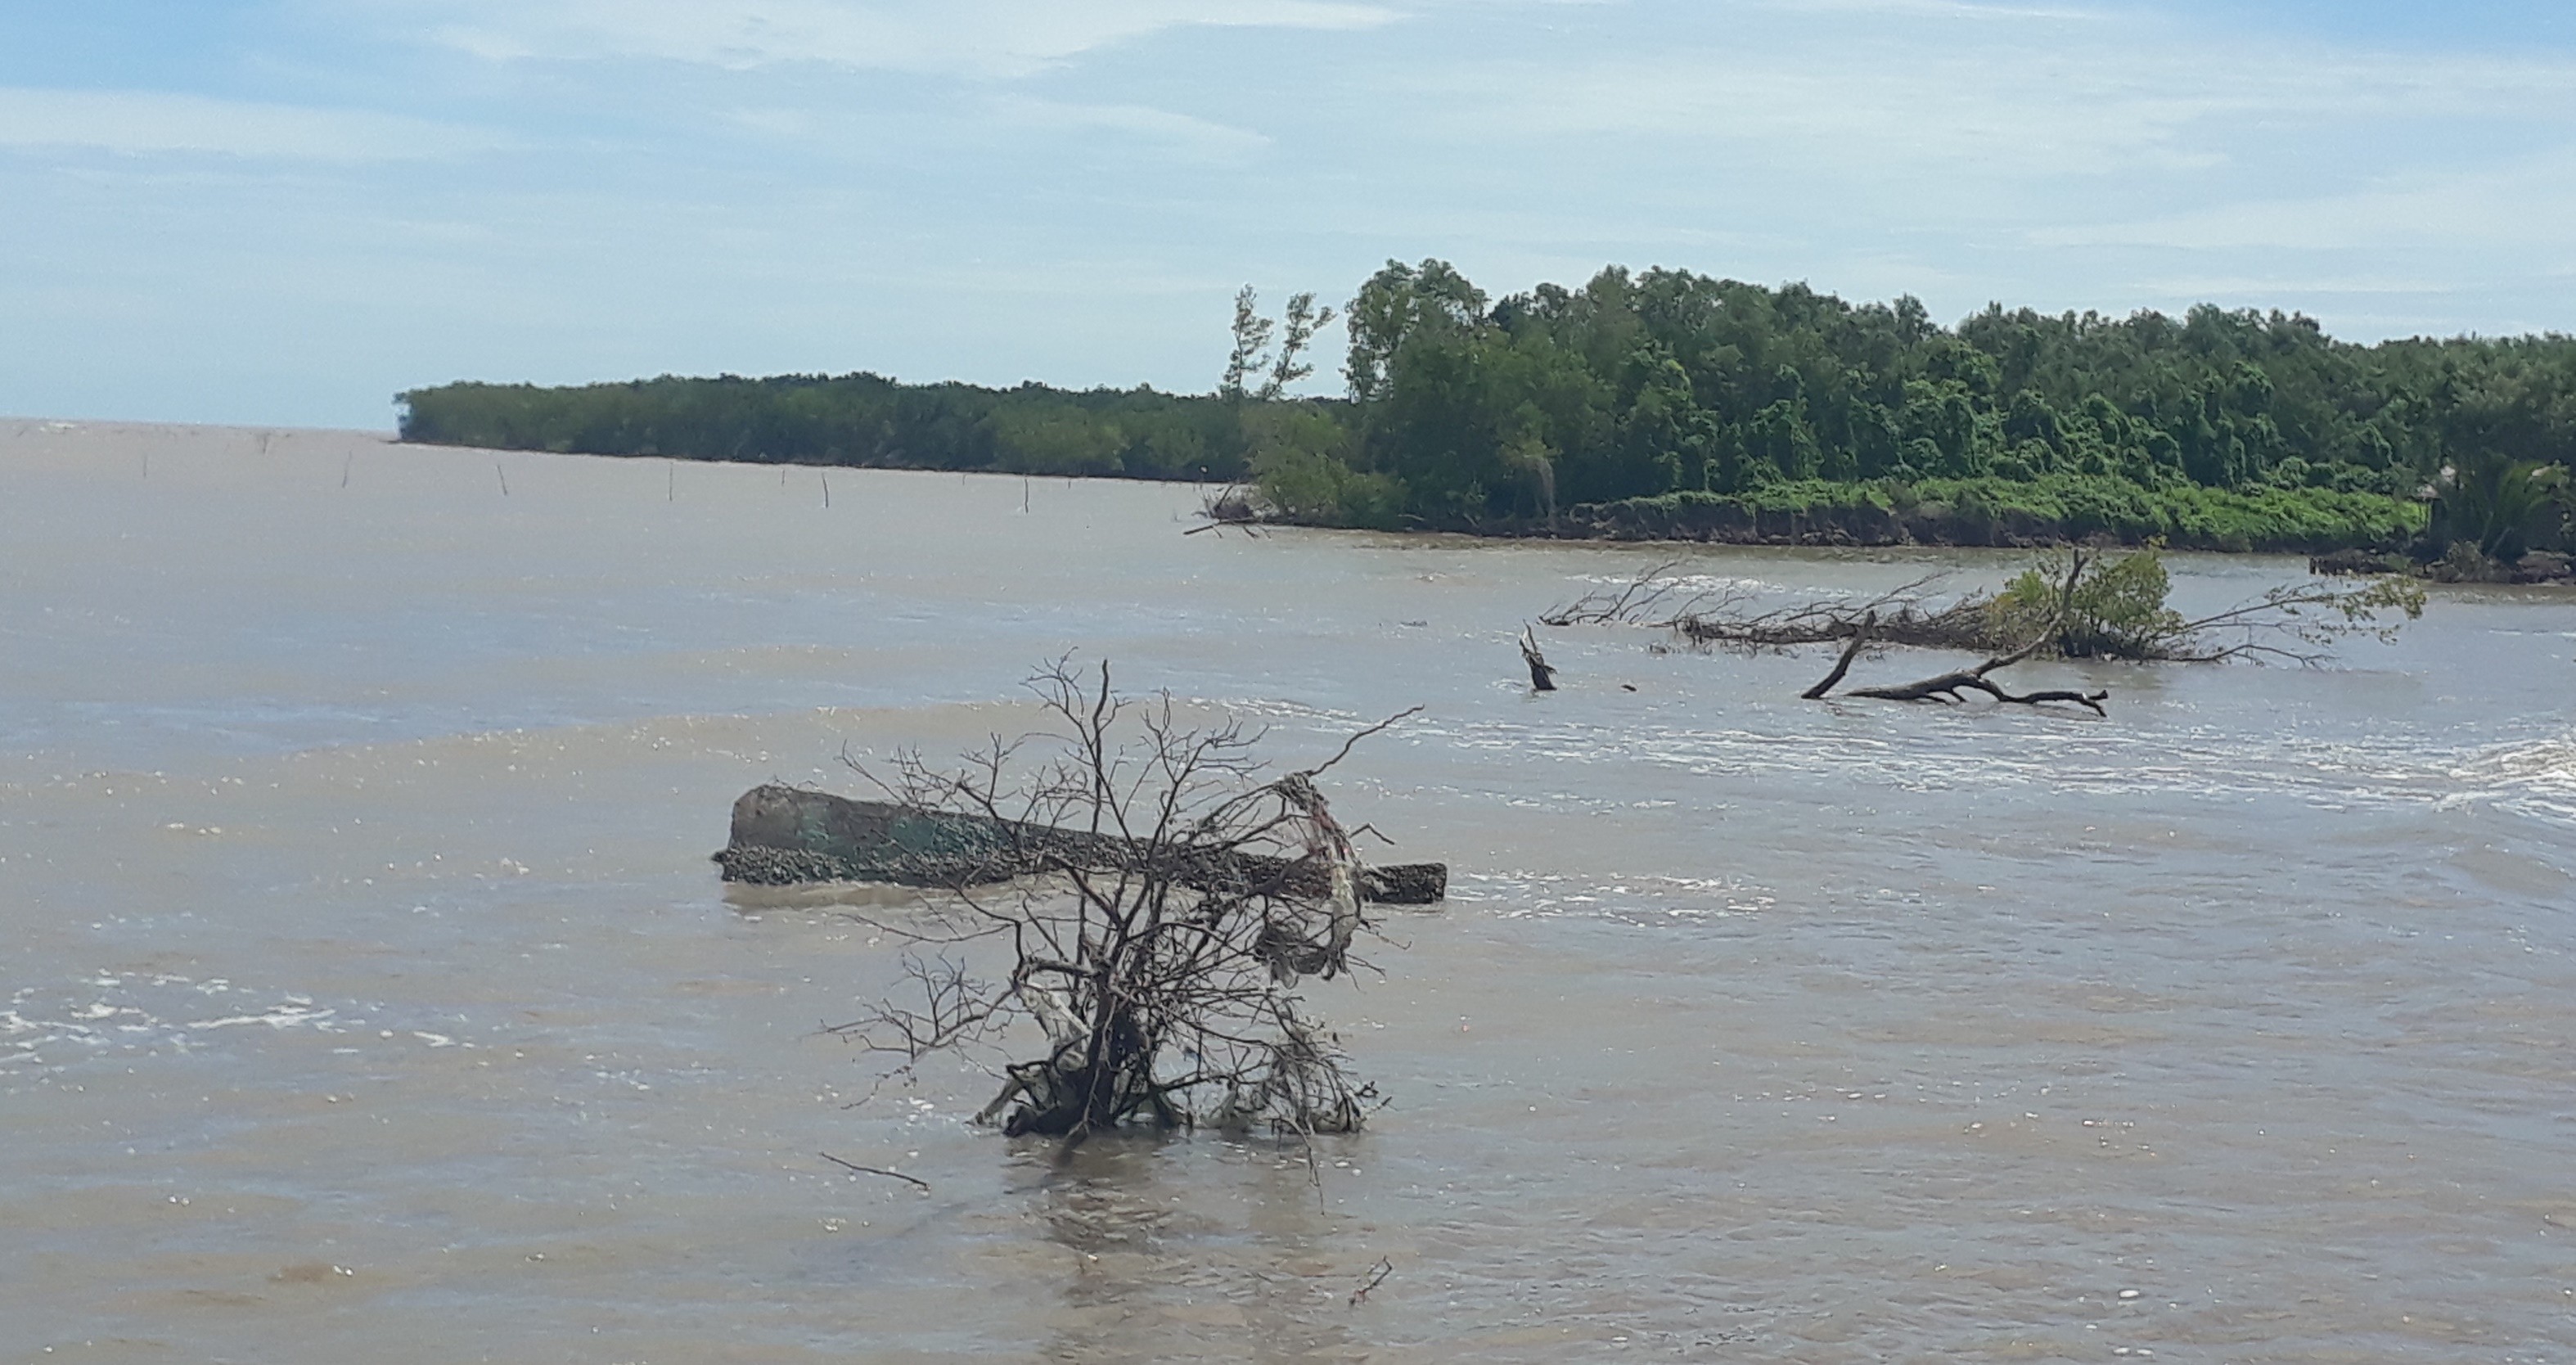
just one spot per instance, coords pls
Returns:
(1542, 673)
(785, 836)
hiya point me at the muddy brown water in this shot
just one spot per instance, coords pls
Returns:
(366, 993)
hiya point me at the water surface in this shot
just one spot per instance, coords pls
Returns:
(365, 992)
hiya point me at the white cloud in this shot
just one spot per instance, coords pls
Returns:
(996, 38)
(2291, 285)
(1197, 136)
(2527, 203)
(1945, 89)
(135, 122)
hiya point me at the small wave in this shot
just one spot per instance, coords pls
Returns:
(1973, 751)
(284, 1016)
(2534, 779)
(1635, 900)
(157, 1013)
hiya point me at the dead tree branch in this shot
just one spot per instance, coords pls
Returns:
(1376, 1276)
(1167, 900)
(1908, 614)
(1542, 673)
(1345, 751)
(1637, 600)
(1842, 666)
(1950, 686)
(2114, 609)
(872, 1170)
(1231, 505)
(2299, 623)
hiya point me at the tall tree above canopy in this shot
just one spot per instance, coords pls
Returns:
(1251, 351)
(1302, 321)
(1398, 302)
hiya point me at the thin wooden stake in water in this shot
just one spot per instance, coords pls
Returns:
(827, 490)
(505, 479)
(671, 489)
(1024, 495)
(345, 466)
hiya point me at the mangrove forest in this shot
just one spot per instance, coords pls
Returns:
(1672, 404)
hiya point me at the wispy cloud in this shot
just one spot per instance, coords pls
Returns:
(1072, 189)
(1945, 89)
(135, 122)
(2530, 202)
(990, 38)
(1195, 136)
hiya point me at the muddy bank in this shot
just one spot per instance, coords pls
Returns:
(2538, 566)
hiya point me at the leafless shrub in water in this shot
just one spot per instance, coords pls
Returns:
(1232, 505)
(1170, 899)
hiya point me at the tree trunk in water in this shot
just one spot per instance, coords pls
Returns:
(783, 836)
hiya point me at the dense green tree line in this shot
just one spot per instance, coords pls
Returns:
(1670, 383)
(1677, 395)
(858, 419)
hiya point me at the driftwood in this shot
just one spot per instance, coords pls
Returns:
(1229, 506)
(2104, 613)
(1542, 673)
(1951, 686)
(1842, 666)
(1905, 615)
(788, 835)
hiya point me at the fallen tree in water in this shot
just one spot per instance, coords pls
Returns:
(1951, 686)
(788, 836)
(2076, 604)
(1158, 899)
(1909, 614)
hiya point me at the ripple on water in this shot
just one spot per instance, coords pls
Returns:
(124, 1015)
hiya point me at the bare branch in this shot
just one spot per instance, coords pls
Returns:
(1376, 1276)
(872, 1170)
(1345, 751)
(1842, 666)
(1639, 598)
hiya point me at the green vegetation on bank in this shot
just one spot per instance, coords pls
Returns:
(1991, 510)
(858, 419)
(1669, 402)
(1674, 404)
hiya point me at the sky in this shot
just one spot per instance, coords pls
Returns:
(288, 211)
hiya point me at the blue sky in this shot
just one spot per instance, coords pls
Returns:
(284, 212)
